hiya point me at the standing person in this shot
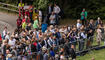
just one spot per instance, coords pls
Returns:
(99, 35)
(49, 9)
(31, 13)
(45, 55)
(82, 38)
(4, 32)
(56, 10)
(12, 41)
(3, 49)
(21, 6)
(92, 27)
(78, 24)
(52, 19)
(52, 54)
(24, 25)
(19, 23)
(35, 25)
(40, 17)
(89, 37)
(83, 16)
(98, 21)
(66, 49)
(72, 52)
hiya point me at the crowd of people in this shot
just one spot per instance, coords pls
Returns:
(38, 38)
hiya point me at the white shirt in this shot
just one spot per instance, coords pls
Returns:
(52, 30)
(52, 19)
(57, 9)
(7, 37)
(4, 32)
(40, 14)
(78, 25)
(12, 42)
(83, 35)
(63, 30)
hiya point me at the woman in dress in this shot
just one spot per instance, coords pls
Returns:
(99, 34)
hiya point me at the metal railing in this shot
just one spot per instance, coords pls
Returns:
(7, 7)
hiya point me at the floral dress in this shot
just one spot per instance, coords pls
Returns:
(99, 35)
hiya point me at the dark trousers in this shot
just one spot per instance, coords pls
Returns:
(57, 19)
(81, 44)
(84, 22)
(31, 18)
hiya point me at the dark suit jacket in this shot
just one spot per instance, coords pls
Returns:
(48, 9)
(43, 43)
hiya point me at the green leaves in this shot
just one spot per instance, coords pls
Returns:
(40, 4)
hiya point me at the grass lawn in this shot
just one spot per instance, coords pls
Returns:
(71, 21)
(98, 55)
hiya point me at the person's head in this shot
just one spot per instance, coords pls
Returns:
(44, 49)
(78, 21)
(45, 38)
(55, 5)
(5, 28)
(83, 10)
(7, 51)
(50, 4)
(51, 27)
(99, 26)
(24, 34)
(98, 18)
(91, 21)
(4, 42)
(72, 46)
(12, 36)
(38, 10)
(52, 13)
(51, 49)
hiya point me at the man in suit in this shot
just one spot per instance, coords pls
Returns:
(49, 9)
(44, 42)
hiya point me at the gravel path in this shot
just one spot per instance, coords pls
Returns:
(8, 20)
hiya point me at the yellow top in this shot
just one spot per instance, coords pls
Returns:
(34, 15)
(21, 5)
